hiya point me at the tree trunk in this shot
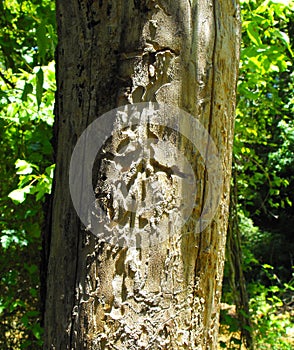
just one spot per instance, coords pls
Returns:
(113, 53)
(236, 276)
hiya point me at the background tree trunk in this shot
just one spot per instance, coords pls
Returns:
(113, 53)
(236, 276)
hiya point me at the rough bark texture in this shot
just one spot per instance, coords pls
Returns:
(112, 53)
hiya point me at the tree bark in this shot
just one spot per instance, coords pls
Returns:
(112, 53)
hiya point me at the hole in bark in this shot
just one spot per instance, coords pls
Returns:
(137, 94)
(123, 144)
(109, 8)
(143, 191)
(143, 222)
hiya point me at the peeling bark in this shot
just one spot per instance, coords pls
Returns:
(112, 53)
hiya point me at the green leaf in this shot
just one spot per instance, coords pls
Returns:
(11, 236)
(41, 41)
(34, 292)
(267, 266)
(23, 167)
(285, 38)
(2, 308)
(41, 193)
(252, 31)
(28, 89)
(39, 86)
(50, 171)
(12, 110)
(6, 240)
(31, 268)
(19, 195)
(37, 331)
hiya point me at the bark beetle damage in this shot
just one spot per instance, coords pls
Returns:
(135, 167)
(111, 53)
(150, 71)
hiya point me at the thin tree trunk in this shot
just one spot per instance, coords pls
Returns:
(236, 276)
(111, 53)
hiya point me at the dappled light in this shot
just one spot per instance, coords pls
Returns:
(257, 308)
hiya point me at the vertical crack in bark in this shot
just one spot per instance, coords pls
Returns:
(199, 259)
(76, 300)
(211, 98)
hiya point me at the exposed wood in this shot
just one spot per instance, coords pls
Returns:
(112, 53)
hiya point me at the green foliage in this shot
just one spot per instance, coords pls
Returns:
(271, 296)
(26, 165)
(263, 149)
(272, 312)
(271, 299)
(27, 84)
(27, 33)
(265, 102)
(264, 163)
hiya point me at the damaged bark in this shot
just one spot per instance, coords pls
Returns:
(112, 53)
